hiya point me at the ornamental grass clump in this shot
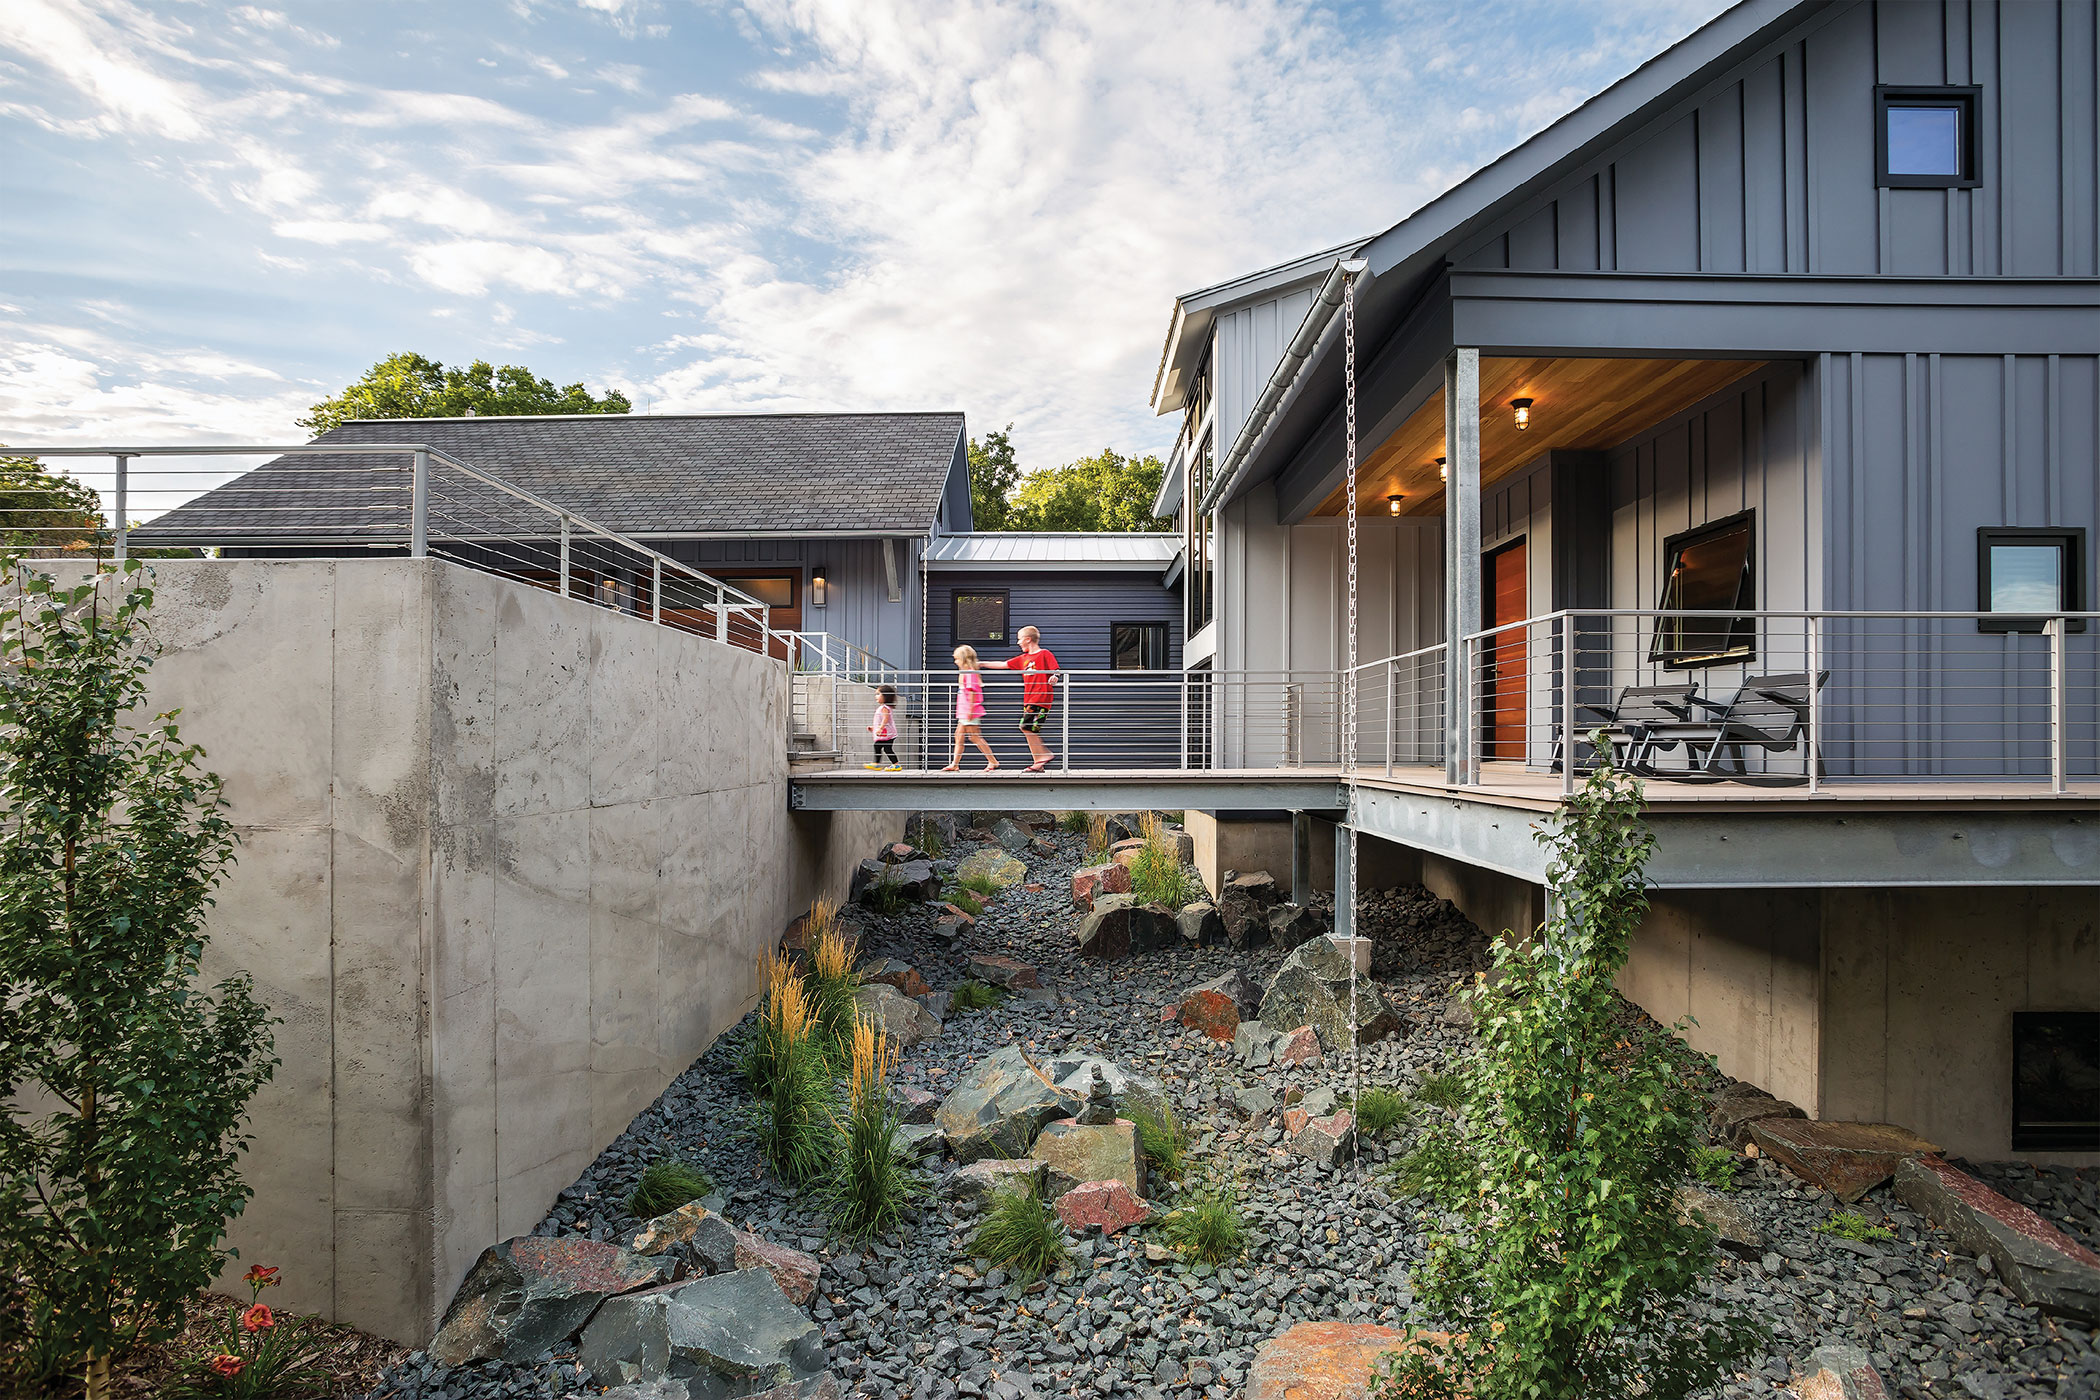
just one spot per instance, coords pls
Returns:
(1020, 1234)
(1209, 1228)
(1161, 1138)
(1570, 1275)
(1157, 875)
(1379, 1111)
(974, 996)
(832, 978)
(870, 1184)
(792, 1116)
(1075, 823)
(126, 1078)
(667, 1183)
(1097, 835)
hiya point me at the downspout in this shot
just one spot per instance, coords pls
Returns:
(1314, 333)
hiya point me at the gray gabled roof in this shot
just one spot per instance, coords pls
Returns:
(697, 474)
(1039, 549)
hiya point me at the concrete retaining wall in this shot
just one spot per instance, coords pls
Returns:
(507, 864)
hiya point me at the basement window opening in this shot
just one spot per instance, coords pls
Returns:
(2056, 1081)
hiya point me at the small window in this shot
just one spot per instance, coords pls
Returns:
(980, 618)
(2029, 571)
(1925, 137)
(1708, 570)
(2056, 1081)
(1137, 646)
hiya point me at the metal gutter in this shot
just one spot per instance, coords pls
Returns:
(1283, 386)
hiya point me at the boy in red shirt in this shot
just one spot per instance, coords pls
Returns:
(1037, 694)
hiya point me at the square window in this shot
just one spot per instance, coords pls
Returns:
(980, 618)
(2029, 571)
(2056, 1081)
(1925, 137)
(1708, 573)
(1137, 646)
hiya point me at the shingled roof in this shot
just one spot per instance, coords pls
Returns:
(774, 473)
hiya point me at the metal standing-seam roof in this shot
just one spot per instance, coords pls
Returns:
(1050, 549)
(771, 473)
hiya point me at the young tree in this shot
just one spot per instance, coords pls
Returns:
(1107, 491)
(123, 1082)
(407, 385)
(47, 512)
(993, 473)
(1569, 1277)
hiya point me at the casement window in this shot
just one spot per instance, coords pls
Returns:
(2035, 572)
(980, 617)
(1137, 646)
(2056, 1081)
(1925, 137)
(1710, 570)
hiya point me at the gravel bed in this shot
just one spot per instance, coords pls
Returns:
(911, 1315)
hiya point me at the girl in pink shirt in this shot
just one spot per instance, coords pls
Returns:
(884, 727)
(969, 710)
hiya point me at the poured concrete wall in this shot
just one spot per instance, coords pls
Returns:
(507, 864)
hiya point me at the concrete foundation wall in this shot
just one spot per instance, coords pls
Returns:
(1498, 903)
(507, 865)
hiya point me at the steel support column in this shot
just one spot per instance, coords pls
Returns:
(1344, 893)
(1461, 553)
(1301, 858)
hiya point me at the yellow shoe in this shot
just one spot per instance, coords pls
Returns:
(894, 768)
(872, 767)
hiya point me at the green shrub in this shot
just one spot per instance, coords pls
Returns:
(1157, 875)
(1379, 1111)
(1160, 1137)
(886, 895)
(1569, 1271)
(964, 900)
(974, 996)
(667, 1183)
(930, 841)
(791, 1119)
(1715, 1167)
(1021, 1234)
(869, 1185)
(1076, 823)
(1847, 1225)
(283, 1356)
(1437, 1167)
(126, 1078)
(1209, 1228)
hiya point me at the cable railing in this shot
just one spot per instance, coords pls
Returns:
(1812, 700)
(336, 500)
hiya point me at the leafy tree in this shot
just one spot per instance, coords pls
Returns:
(124, 1084)
(1107, 491)
(993, 474)
(1570, 1276)
(47, 512)
(407, 385)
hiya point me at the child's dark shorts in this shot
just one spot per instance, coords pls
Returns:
(1032, 717)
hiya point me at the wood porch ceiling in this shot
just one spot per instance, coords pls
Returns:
(1576, 405)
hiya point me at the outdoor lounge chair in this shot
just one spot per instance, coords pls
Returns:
(1768, 714)
(1631, 722)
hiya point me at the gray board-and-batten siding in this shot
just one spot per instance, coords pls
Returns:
(1114, 722)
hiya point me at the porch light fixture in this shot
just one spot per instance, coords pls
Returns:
(1523, 408)
(1443, 473)
(817, 590)
(1393, 504)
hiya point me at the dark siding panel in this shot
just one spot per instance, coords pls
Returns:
(1656, 205)
(1844, 233)
(1577, 227)
(1764, 171)
(1531, 243)
(1721, 179)
(2032, 180)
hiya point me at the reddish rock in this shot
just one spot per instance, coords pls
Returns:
(958, 917)
(897, 852)
(1032, 887)
(1295, 1119)
(1094, 881)
(1298, 1047)
(1846, 1159)
(915, 1105)
(1109, 1205)
(1169, 1014)
(1323, 1361)
(1323, 1140)
(1838, 1373)
(1213, 1013)
(794, 1271)
(1002, 971)
(525, 1295)
(899, 974)
(2044, 1267)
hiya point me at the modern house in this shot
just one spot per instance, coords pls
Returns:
(1750, 413)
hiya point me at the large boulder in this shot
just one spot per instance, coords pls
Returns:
(1093, 881)
(1124, 825)
(942, 825)
(1217, 1007)
(734, 1334)
(1012, 834)
(996, 866)
(1200, 924)
(1108, 1206)
(1243, 903)
(1732, 1110)
(1293, 924)
(1076, 1153)
(1732, 1224)
(901, 1018)
(1323, 1140)
(1001, 971)
(1312, 988)
(794, 1271)
(2044, 1267)
(998, 1107)
(898, 852)
(980, 1181)
(524, 1296)
(1324, 1361)
(1846, 1159)
(1120, 926)
(912, 879)
(1073, 1074)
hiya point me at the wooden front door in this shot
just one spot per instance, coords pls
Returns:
(1503, 698)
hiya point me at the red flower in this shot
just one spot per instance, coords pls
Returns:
(227, 1364)
(258, 1318)
(260, 1277)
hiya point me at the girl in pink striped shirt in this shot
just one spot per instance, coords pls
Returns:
(969, 710)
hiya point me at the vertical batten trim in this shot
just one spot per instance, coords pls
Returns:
(2052, 475)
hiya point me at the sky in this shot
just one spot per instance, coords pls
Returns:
(212, 215)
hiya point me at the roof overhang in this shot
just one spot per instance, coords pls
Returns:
(1188, 330)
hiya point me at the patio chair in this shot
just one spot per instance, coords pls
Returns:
(1768, 714)
(1630, 724)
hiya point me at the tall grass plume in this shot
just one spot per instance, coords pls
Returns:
(787, 1071)
(1157, 875)
(869, 1184)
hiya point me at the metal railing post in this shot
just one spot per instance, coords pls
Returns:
(564, 589)
(1184, 721)
(419, 508)
(1064, 726)
(656, 590)
(1476, 661)
(2059, 748)
(1392, 712)
(1815, 705)
(123, 543)
(721, 614)
(1567, 704)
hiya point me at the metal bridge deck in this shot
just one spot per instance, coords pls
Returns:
(1011, 789)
